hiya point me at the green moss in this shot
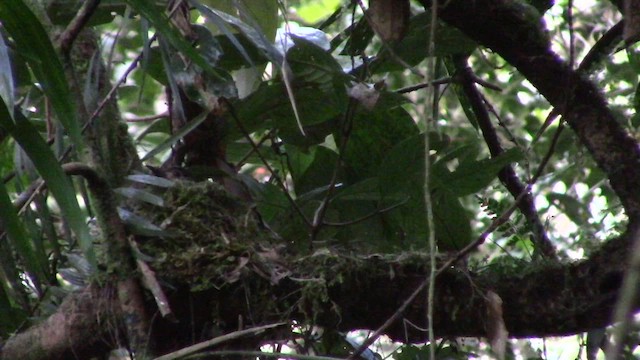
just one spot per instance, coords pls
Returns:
(215, 238)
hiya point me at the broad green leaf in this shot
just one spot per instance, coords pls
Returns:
(272, 203)
(453, 229)
(411, 49)
(315, 174)
(33, 43)
(460, 94)
(360, 37)
(473, 176)
(576, 210)
(402, 174)
(215, 19)
(20, 240)
(269, 107)
(313, 64)
(57, 181)
(373, 135)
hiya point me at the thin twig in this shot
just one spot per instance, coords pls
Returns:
(507, 175)
(423, 85)
(258, 144)
(146, 118)
(255, 147)
(365, 217)
(219, 340)
(497, 222)
(604, 46)
(318, 217)
(432, 99)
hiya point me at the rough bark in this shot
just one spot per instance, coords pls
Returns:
(522, 41)
(543, 299)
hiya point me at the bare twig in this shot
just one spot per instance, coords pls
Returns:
(366, 217)
(603, 47)
(219, 340)
(150, 281)
(318, 217)
(497, 222)
(507, 175)
(135, 119)
(423, 85)
(255, 147)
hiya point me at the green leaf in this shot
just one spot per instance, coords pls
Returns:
(139, 225)
(7, 91)
(140, 195)
(57, 181)
(402, 175)
(33, 43)
(317, 173)
(269, 107)
(160, 21)
(373, 135)
(256, 36)
(213, 17)
(576, 210)
(187, 128)
(453, 229)
(460, 94)
(151, 180)
(473, 176)
(19, 238)
(411, 49)
(12, 318)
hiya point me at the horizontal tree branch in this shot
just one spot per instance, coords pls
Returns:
(544, 299)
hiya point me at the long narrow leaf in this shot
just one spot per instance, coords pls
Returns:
(6, 76)
(161, 22)
(254, 35)
(27, 136)
(187, 128)
(18, 236)
(215, 19)
(34, 45)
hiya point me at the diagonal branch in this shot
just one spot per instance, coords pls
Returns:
(507, 175)
(525, 45)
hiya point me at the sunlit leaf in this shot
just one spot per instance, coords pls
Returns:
(472, 176)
